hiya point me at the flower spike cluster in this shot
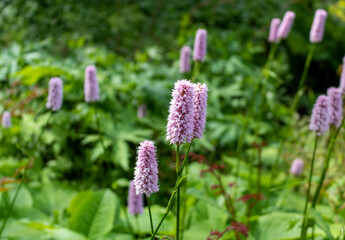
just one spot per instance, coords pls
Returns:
(318, 26)
(200, 44)
(319, 121)
(135, 201)
(181, 113)
(200, 105)
(335, 106)
(273, 30)
(6, 119)
(286, 25)
(185, 59)
(91, 89)
(146, 170)
(55, 94)
(297, 167)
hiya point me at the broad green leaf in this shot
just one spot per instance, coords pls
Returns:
(321, 223)
(92, 213)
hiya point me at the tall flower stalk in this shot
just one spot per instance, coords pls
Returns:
(316, 36)
(319, 123)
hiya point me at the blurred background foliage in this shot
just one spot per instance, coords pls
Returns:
(135, 46)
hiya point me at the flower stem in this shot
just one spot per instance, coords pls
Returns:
(303, 78)
(171, 200)
(304, 227)
(178, 192)
(326, 164)
(195, 70)
(149, 206)
(138, 226)
(14, 198)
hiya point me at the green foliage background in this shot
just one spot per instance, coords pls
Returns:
(77, 190)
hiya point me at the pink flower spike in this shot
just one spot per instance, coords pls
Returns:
(146, 170)
(297, 167)
(55, 94)
(318, 26)
(185, 59)
(91, 89)
(6, 119)
(335, 106)
(200, 45)
(200, 107)
(180, 126)
(286, 25)
(135, 202)
(319, 121)
(273, 30)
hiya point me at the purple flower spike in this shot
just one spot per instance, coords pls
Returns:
(142, 111)
(318, 26)
(200, 44)
(180, 126)
(273, 30)
(342, 78)
(200, 105)
(6, 119)
(135, 202)
(91, 90)
(319, 121)
(286, 25)
(297, 167)
(146, 170)
(185, 59)
(335, 106)
(55, 94)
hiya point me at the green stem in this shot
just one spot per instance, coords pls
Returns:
(178, 192)
(184, 206)
(259, 171)
(304, 227)
(171, 200)
(14, 199)
(138, 226)
(195, 70)
(303, 78)
(149, 207)
(326, 164)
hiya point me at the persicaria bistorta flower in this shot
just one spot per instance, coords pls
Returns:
(185, 59)
(319, 121)
(135, 201)
(335, 106)
(55, 94)
(146, 170)
(286, 25)
(142, 111)
(200, 44)
(342, 78)
(180, 126)
(273, 30)
(6, 119)
(297, 167)
(200, 105)
(91, 90)
(318, 26)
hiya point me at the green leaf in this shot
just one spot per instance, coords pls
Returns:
(321, 223)
(121, 154)
(92, 213)
(278, 225)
